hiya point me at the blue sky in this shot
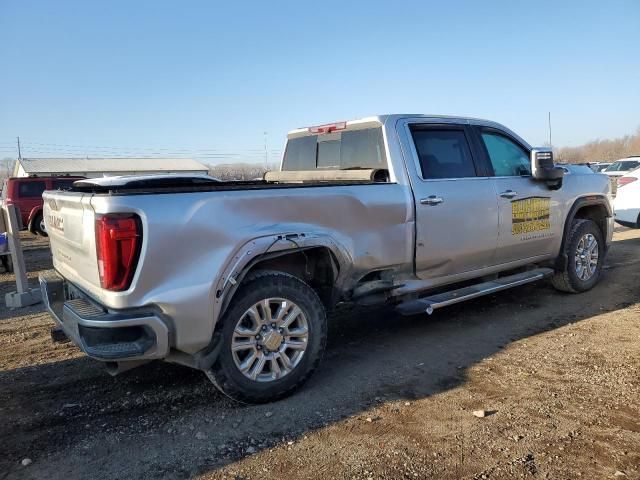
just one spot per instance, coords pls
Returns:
(205, 78)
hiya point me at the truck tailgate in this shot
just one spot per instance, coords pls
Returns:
(70, 223)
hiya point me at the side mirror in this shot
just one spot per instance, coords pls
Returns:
(543, 168)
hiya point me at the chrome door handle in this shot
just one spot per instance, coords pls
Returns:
(431, 200)
(509, 194)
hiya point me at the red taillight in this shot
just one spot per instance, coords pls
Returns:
(626, 180)
(118, 240)
(328, 128)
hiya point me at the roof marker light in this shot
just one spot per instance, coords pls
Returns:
(328, 128)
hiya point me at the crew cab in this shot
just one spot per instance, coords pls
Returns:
(26, 194)
(236, 278)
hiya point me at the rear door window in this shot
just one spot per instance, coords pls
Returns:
(31, 189)
(443, 152)
(362, 148)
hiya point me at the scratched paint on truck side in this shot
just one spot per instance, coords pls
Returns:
(530, 215)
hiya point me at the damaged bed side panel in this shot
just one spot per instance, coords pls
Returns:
(212, 236)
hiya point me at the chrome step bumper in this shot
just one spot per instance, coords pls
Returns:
(101, 334)
(429, 304)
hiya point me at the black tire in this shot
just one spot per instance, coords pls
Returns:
(224, 373)
(37, 228)
(7, 263)
(568, 280)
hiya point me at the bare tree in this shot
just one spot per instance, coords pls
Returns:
(601, 150)
(6, 167)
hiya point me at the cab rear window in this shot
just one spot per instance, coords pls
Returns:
(362, 148)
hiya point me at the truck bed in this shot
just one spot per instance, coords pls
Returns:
(147, 184)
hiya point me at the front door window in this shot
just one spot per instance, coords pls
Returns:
(507, 158)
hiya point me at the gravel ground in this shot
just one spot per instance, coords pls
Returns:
(557, 376)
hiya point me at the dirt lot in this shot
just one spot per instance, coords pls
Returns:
(559, 376)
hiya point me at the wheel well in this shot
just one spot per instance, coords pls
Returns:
(596, 213)
(31, 224)
(316, 266)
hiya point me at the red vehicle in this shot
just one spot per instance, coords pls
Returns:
(26, 194)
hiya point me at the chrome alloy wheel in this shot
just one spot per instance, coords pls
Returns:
(270, 339)
(586, 257)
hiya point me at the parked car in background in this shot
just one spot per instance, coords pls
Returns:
(598, 167)
(627, 202)
(622, 166)
(26, 194)
(629, 177)
(618, 169)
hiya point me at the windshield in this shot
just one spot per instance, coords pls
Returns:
(623, 166)
(362, 148)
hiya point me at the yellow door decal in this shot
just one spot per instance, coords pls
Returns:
(530, 215)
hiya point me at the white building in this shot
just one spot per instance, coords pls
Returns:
(100, 167)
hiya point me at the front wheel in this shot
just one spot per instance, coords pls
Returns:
(272, 338)
(584, 248)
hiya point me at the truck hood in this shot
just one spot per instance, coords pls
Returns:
(576, 169)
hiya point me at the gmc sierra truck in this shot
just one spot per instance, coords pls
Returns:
(236, 278)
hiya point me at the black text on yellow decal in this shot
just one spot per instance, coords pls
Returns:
(530, 215)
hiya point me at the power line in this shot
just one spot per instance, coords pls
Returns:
(103, 147)
(28, 150)
(53, 150)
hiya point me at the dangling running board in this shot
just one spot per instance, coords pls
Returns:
(429, 304)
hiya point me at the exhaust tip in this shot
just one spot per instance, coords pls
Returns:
(116, 368)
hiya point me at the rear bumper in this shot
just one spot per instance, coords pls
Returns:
(101, 334)
(625, 213)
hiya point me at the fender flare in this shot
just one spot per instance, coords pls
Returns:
(272, 246)
(247, 256)
(580, 202)
(32, 215)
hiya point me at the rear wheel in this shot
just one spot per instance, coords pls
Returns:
(584, 248)
(39, 226)
(273, 336)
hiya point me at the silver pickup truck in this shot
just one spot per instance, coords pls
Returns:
(235, 278)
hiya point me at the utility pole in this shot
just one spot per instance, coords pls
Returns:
(266, 153)
(19, 152)
(550, 144)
